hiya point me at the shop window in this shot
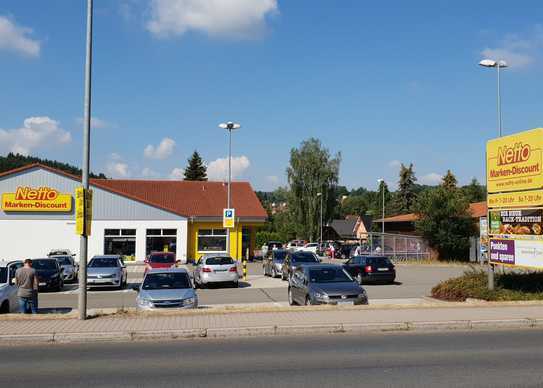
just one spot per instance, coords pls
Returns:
(245, 241)
(117, 242)
(211, 240)
(161, 240)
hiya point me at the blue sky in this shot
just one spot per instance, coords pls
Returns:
(381, 82)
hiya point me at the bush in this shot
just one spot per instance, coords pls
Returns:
(263, 237)
(473, 284)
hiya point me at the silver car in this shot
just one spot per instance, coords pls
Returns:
(8, 289)
(272, 265)
(69, 267)
(216, 269)
(166, 288)
(106, 271)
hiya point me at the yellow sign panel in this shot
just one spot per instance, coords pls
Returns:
(43, 199)
(517, 199)
(83, 211)
(514, 163)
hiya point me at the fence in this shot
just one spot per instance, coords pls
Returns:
(398, 247)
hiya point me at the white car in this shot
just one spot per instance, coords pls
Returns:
(8, 289)
(310, 247)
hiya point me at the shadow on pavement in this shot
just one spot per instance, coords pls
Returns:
(55, 310)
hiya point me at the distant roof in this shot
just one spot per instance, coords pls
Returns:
(477, 209)
(185, 198)
(344, 228)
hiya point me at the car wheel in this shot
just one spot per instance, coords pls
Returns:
(4, 309)
(307, 300)
(291, 301)
(274, 273)
(235, 284)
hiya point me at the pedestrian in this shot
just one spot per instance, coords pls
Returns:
(26, 280)
(332, 251)
(358, 251)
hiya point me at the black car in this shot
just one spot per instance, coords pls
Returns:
(295, 259)
(367, 269)
(344, 251)
(49, 274)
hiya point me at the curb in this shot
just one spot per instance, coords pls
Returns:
(267, 331)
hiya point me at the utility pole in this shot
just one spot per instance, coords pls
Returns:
(82, 300)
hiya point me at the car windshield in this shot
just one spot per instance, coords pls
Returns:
(44, 264)
(162, 281)
(379, 261)
(275, 245)
(304, 258)
(219, 261)
(329, 275)
(279, 255)
(64, 260)
(103, 262)
(162, 259)
(3, 275)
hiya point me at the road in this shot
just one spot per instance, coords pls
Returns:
(413, 281)
(459, 359)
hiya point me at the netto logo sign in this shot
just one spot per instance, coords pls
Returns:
(41, 194)
(42, 199)
(516, 154)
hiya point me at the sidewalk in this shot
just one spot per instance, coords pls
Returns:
(283, 321)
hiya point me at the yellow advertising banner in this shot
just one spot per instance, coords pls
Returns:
(514, 163)
(516, 199)
(43, 199)
(83, 211)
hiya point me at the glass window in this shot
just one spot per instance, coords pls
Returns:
(44, 264)
(3, 274)
(212, 240)
(162, 258)
(169, 232)
(221, 260)
(112, 232)
(103, 262)
(161, 281)
(154, 232)
(128, 232)
(329, 275)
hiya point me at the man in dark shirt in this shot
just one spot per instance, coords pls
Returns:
(26, 280)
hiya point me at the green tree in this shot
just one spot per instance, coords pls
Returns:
(449, 181)
(312, 170)
(474, 192)
(406, 195)
(445, 222)
(354, 205)
(196, 169)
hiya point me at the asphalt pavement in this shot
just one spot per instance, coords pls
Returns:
(454, 359)
(413, 281)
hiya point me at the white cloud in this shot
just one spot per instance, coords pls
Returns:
(36, 132)
(97, 123)
(394, 164)
(118, 170)
(177, 174)
(218, 169)
(149, 173)
(519, 52)
(17, 38)
(223, 18)
(431, 179)
(115, 156)
(162, 151)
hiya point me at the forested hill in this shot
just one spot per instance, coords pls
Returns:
(11, 161)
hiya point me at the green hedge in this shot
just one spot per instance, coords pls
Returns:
(473, 284)
(263, 237)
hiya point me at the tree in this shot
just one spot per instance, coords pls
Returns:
(312, 170)
(354, 205)
(449, 181)
(474, 192)
(445, 222)
(196, 169)
(406, 195)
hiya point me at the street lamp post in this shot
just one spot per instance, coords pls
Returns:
(82, 298)
(320, 195)
(229, 126)
(382, 184)
(499, 64)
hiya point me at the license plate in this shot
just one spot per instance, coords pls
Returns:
(220, 270)
(346, 302)
(382, 269)
(42, 283)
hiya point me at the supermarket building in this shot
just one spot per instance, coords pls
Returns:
(130, 217)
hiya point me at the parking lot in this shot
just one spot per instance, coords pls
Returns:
(413, 281)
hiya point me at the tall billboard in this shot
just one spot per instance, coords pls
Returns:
(514, 178)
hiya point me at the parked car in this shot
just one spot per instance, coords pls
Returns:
(49, 274)
(216, 269)
(8, 290)
(60, 252)
(156, 260)
(295, 259)
(324, 284)
(310, 247)
(367, 269)
(166, 288)
(294, 245)
(107, 271)
(270, 246)
(273, 263)
(69, 267)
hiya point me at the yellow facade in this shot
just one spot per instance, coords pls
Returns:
(236, 250)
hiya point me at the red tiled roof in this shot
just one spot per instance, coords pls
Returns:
(477, 209)
(186, 198)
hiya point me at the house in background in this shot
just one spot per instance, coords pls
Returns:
(351, 228)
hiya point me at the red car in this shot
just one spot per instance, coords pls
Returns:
(160, 260)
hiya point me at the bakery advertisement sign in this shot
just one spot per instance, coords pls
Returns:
(517, 222)
(521, 253)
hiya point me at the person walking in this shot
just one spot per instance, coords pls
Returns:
(26, 280)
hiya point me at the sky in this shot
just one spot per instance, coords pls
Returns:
(381, 82)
